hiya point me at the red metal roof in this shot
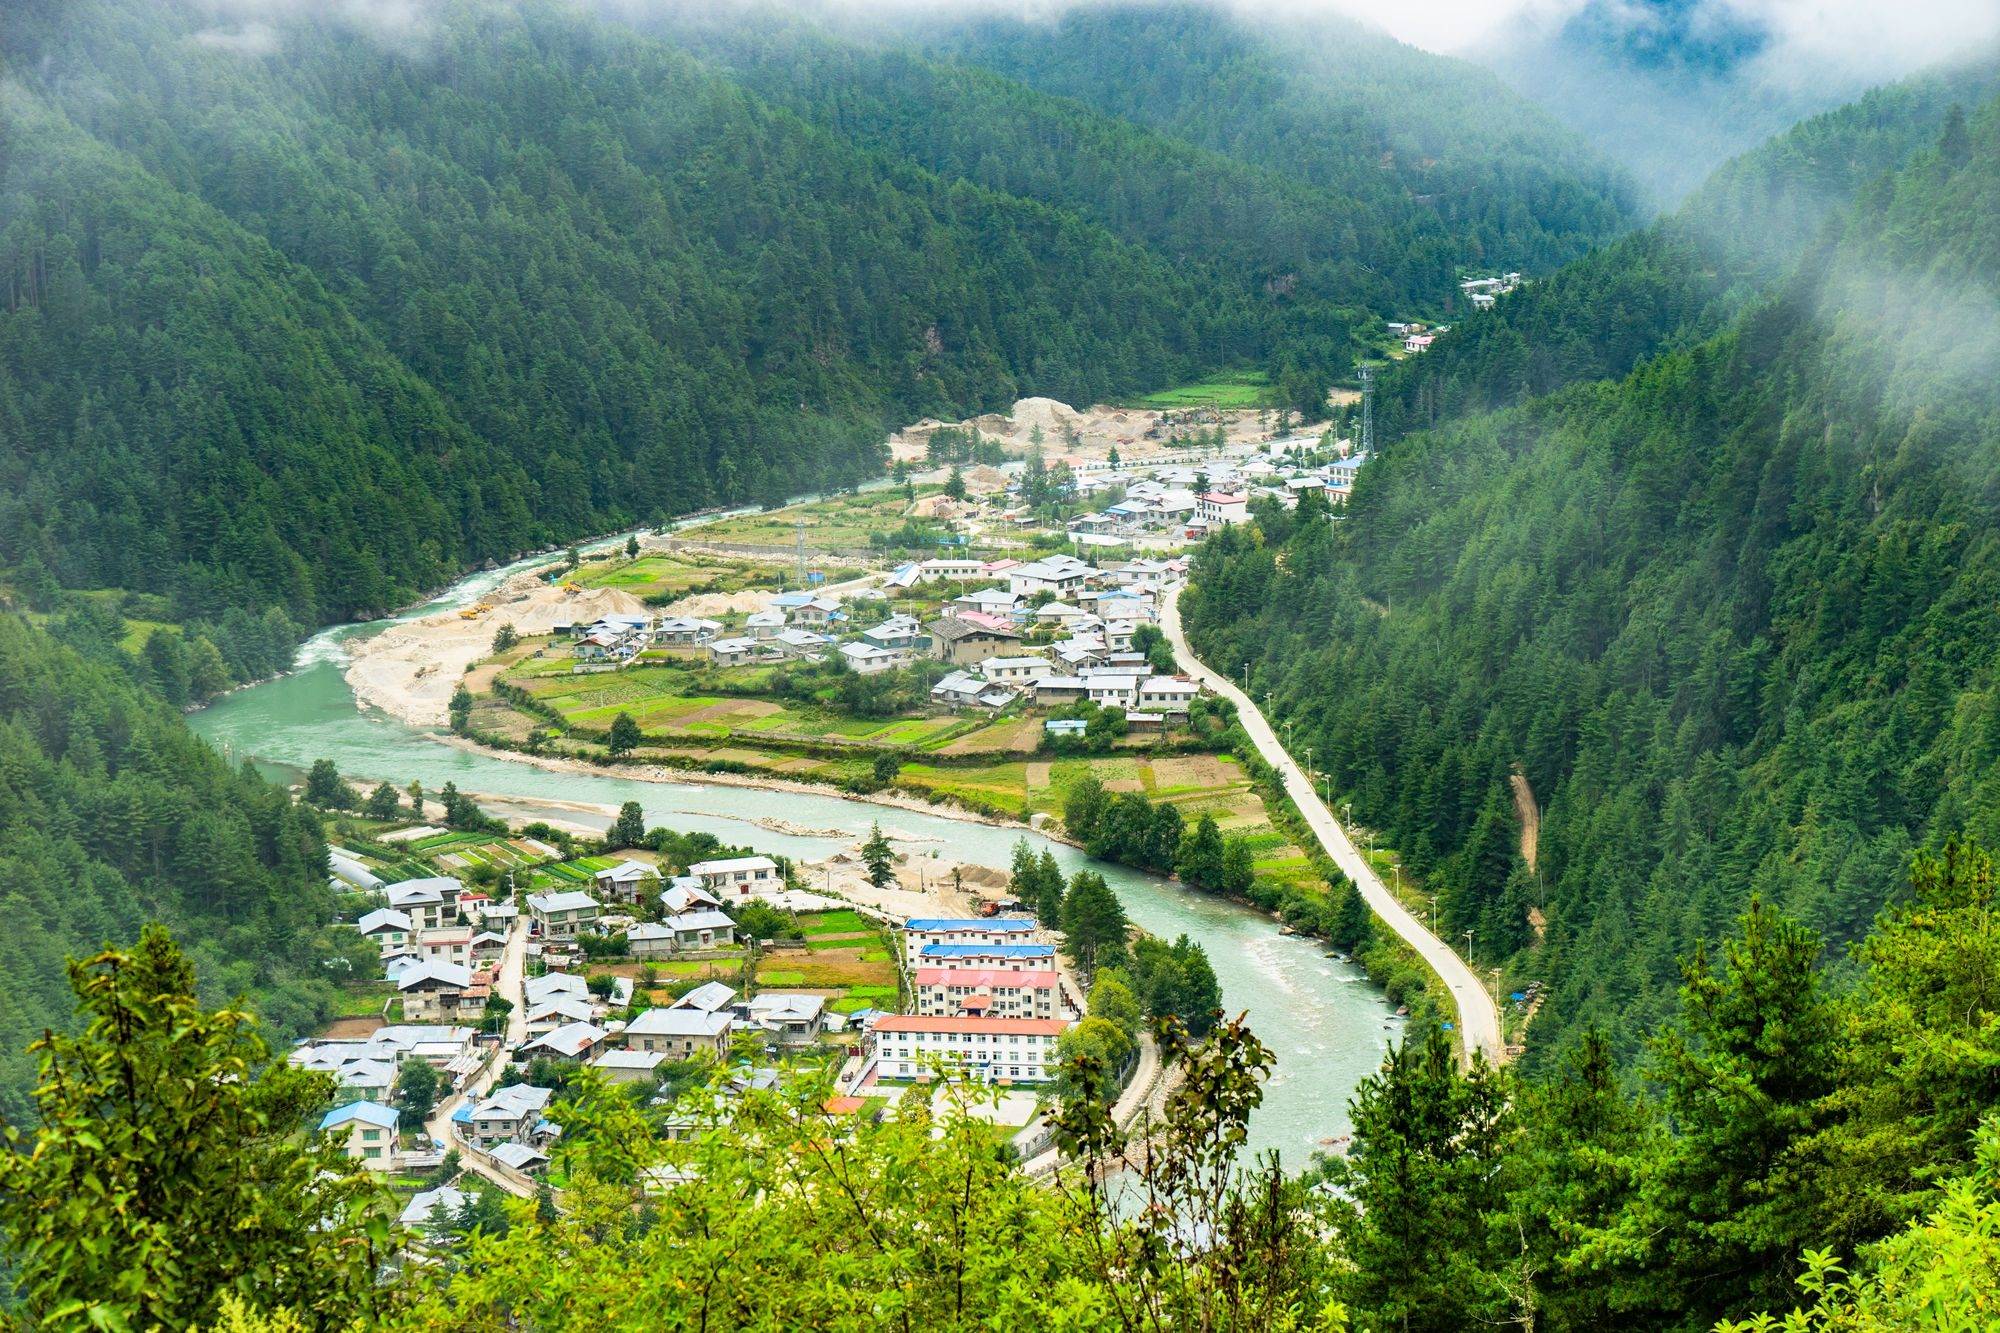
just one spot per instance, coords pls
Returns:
(983, 976)
(1021, 1027)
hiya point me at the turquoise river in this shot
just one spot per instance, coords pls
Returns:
(1326, 1025)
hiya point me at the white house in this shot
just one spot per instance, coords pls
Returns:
(367, 1132)
(388, 928)
(800, 643)
(1057, 574)
(1017, 1049)
(629, 1066)
(441, 993)
(561, 1011)
(1001, 957)
(572, 1041)
(734, 652)
(796, 1020)
(703, 928)
(866, 659)
(444, 944)
(962, 689)
(508, 1115)
(710, 997)
(956, 571)
(764, 624)
(684, 893)
(520, 1157)
(423, 1204)
(678, 631)
(1013, 671)
(540, 990)
(427, 902)
(736, 878)
(1167, 694)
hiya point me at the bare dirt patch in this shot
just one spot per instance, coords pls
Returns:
(1195, 770)
(352, 1027)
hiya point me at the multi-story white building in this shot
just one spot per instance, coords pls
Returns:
(1018, 1049)
(920, 931)
(985, 992)
(1001, 957)
(1219, 508)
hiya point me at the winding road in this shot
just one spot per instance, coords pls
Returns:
(1479, 1017)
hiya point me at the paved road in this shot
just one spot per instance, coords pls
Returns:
(513, 968)
(1479, 1019)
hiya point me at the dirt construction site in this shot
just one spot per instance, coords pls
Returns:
(1087, 434)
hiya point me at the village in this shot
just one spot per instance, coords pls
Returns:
(661, 978)
(945, 639)
(983, 636)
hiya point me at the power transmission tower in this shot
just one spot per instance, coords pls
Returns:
(1367, 410)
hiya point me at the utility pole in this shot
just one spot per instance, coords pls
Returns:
(799, 549)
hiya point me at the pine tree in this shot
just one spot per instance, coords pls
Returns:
(623, 737)
(1734, 1201)
(1422, 1182)
(879, 858)
(1200, 859)
(630, 828)
(1049, 889)
(1093, 923)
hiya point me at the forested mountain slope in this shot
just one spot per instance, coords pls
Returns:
(1734, 616)
(113, 814)
(1683, 278)
(1450, 168)
(312, 313)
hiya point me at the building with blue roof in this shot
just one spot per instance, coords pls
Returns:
(992, 957)
(922, 933)
(367, 1131)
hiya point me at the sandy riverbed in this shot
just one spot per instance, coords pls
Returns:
(410, 669)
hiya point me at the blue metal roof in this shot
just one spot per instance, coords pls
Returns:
(935, 923)
(987, 951)
(369, 1113)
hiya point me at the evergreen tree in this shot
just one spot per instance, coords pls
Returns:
(418, 1085)
(1200, 859)
(325, 787)
(1422, 1183)
(1239, 871)
(1093, 923)
(1049, 889)
(1084, 806)
(383, 802)
(1733, 1202)
(879, 857)
(623, 737)
(459, 709)
(630, 828)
